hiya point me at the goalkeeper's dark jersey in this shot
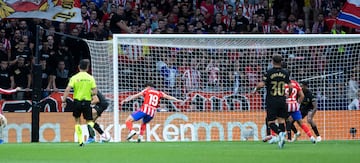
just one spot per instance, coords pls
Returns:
(309, 98)
(103, 104)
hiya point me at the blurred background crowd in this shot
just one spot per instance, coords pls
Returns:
(60, 54)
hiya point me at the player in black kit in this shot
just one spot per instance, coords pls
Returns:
(275, 80)
(308, 108)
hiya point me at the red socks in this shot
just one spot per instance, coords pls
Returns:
(142, 128)
(129, 125)
(306, 130)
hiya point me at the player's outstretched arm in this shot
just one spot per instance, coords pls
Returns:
(259, 86)
(172, 98)
(131, 98)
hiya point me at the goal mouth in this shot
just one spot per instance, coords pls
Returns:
(215, 74)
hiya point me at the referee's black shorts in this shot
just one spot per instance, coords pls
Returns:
(82, 107)
(276, 107)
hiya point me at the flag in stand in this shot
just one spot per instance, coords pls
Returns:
(55, 10)
(350, 14)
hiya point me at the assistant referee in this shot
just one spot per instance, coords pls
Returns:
(84, 87)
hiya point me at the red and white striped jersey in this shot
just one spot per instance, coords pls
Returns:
(6, 44)
(293, 105)
(151, 100)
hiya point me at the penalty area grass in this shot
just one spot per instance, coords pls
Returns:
(182, 152)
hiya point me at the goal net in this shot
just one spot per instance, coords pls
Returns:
(215, 74)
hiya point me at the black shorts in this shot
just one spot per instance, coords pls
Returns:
(276, 108)
(305, 112)
(82, 107)
(100, 108)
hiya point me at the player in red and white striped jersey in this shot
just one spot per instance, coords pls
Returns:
(293, 100)
(148, 108)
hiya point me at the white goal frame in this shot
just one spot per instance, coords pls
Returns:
(280, 41)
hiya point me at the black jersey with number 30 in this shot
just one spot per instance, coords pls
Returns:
(275, 80)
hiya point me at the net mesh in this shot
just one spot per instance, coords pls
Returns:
(215, 75)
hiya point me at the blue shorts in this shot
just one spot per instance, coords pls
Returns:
(296, 115)
(139, 114)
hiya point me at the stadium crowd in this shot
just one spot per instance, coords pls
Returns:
(60, 54)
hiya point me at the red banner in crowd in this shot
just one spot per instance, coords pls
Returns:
(55, 10)
(350, 14)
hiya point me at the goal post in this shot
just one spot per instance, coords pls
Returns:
(214, 75)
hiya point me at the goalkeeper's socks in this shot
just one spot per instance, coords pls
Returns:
(98, 128)
(129, 125)
(306, 130)
(79, 133)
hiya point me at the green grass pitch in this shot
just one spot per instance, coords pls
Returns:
(182, 152)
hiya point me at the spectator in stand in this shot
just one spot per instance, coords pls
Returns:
(24, 29)
(229, 15)
(3, 54)
(191, 77)
(258, 26)
(61, 76)
(118, 23)
(62, 28)
(291, 23)
(170, 75)
(353, 93)
(331, 18)
(85, 14)
(232, 29)
(6, 45)
(77, 47)
(15, 41)
(22, 51)
(319, 26)
(28, 44)
(218, 22)
(91, 21)
(242, 23)
(51, 51)
(208, 10)
(283, 27)
(213, 71)
(20, 76)
(101, 32)
(236, 76)
(220, 7)
(186, 12)
(300, 28)
(5, 77)
(45, 77)
(63, 54)
(108, 15)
